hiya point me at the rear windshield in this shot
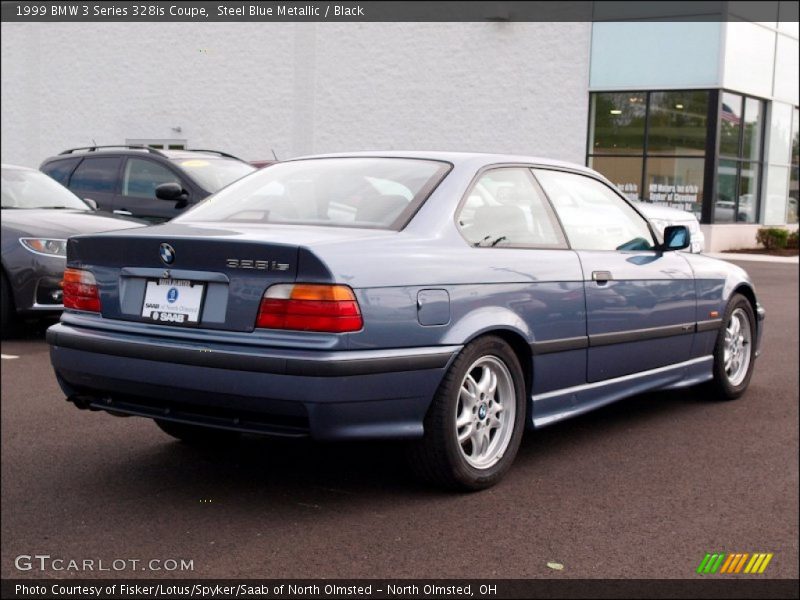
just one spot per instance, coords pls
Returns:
(213, 174)
(379, 193)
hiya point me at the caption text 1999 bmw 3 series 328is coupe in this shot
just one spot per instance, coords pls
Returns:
(450, 299)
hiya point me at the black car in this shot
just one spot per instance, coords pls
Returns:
(38, 215)
(123, 179)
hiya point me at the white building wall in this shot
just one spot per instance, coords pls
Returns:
(296, 88)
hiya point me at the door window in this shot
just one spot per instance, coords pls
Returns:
(593, 215)
(143, 176)
(96, 175)
(506, 208)
(60, 169)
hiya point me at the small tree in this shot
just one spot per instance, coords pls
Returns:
(772, 238)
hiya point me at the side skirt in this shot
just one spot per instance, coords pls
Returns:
(562, 404)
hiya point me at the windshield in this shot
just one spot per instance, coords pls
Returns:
(380, 193)
(213, 174)
(32, 189)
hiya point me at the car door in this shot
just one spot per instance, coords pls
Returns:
(640, 301)
(140, 178)
(97, 178)
(514, 233)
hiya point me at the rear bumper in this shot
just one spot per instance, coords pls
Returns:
(328, 395)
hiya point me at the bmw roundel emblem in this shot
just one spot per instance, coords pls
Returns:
(167, 254)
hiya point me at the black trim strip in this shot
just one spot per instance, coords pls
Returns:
(710, 325)
(238, 361)
(639, 335)
(562, 345)
(621, 337)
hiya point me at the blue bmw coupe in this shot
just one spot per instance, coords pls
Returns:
(448, 299)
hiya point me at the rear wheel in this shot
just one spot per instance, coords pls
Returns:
(475, 424)
(734, 352)
(196, 435)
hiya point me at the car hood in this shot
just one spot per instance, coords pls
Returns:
(62, 223)
(654, 211)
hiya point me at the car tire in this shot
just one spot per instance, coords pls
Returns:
(734, 351)
(196, 435)
(6, 304)
(475, 423)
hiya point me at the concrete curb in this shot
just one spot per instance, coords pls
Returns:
(788, 260)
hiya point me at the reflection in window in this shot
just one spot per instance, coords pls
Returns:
(617, 123)
(725, 204)
(143, 176)
(791, 208)
(677, 123)
(751, 137)
(675, 182)
(505, 208)
(748, 193)
(730, 119)
(594, 217)
(623, 171)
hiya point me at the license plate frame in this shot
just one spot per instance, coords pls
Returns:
(159, 298)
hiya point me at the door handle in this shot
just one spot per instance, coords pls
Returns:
(602, 276)
(123, 212)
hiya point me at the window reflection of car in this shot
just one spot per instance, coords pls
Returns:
(664, 216)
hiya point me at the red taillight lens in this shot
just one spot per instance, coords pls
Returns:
(80, 290)
(310, 307)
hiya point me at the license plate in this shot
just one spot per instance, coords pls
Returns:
(173, 301)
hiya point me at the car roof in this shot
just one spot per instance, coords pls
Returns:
(458, 158)
(133, 151)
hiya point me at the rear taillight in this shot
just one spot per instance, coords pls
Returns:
(80, 290)
(309, 307)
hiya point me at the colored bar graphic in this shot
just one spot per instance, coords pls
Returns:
(734, 562)
(764, 564)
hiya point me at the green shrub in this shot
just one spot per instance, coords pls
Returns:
(772, 238)
(791, 241)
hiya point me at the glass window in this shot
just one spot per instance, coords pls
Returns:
(725, 202)
(678, 123)
(675, 182)
(26, 188)
(746, 210)
(753, 126)
(791, 209)
(96, 175)
(505, 208)
(213, 174)
(617, 123)
(60, 170)
(730, 119)
(593, 215)
(142, 176)
(625, 172)
(342, 192)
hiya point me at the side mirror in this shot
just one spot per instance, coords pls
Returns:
(170, 191)
(92, 203)
(676, 237)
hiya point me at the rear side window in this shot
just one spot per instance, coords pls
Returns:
(594, 216)
(378, 193)
(96, 175)
(142, 177)
(60, 170)
(506, 208)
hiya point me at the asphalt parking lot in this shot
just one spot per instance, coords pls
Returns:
(643, 488)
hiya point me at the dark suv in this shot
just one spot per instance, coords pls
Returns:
(123, 179)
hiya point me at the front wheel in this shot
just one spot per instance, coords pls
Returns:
(475, 424)
(734, 352)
